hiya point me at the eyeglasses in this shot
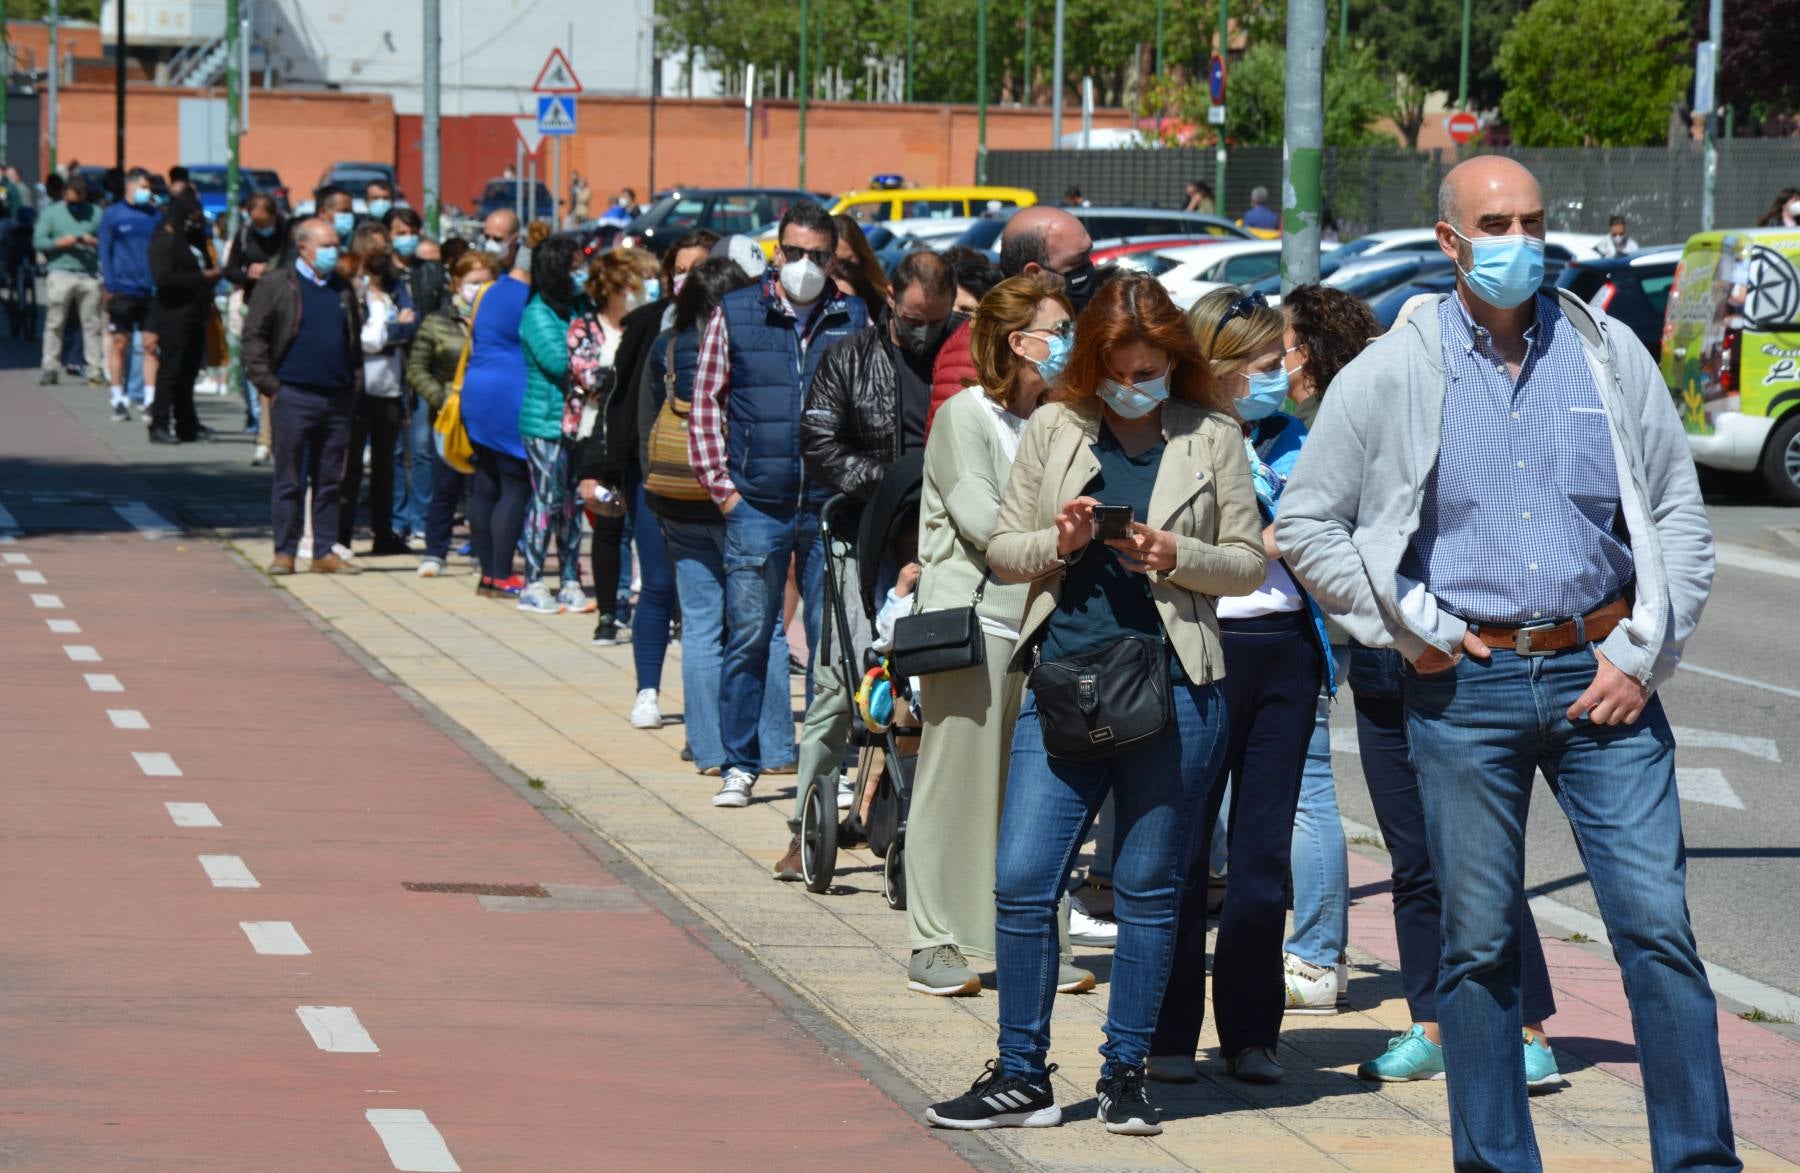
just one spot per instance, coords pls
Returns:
(795, 254)
(1243, 307)
(1064, 329)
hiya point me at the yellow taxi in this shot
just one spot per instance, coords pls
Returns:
(908, 203)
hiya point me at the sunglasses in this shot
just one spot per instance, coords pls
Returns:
(795, 254)
(1243, 307)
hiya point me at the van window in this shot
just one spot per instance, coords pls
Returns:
(733, 214)
(1656, 289)
(684, 215)
(872, 213)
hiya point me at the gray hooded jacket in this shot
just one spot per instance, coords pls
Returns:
(1352, 505)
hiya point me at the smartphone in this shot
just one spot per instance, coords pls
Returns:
(1112, 521)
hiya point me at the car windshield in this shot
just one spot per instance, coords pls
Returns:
(207, 181)
(1360, 245)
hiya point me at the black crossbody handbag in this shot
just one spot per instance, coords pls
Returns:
(939, 641)
(1096, 705)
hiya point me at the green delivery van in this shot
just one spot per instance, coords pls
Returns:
(1731, 353)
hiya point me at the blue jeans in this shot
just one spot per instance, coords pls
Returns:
(656, 599)
(1320, 866)
(698, 551)
(415, 454)
(447, 488)
(1394, 793)
(1158, 789)
(759, 542)
(1479, 732)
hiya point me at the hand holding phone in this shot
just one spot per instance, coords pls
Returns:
(1112, 521)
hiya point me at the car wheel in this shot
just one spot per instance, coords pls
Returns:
(1781, 461)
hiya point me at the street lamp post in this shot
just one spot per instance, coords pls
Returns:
(805, 36)
(910, 5)
(1219, 153)
(981, 91)
(1056, 81)
(1462, 83)
(1304, 154)
(55, 70)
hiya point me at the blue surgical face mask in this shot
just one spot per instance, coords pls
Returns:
(1268, 390)
(141, 196)
(1134, 401)
(379, 208)
(406, 246)
(264, 229)
(652, 289)
(325, 259)
(1050, 367)
(343, 222)
(1505, 270)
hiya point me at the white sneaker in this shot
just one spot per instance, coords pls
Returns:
(645, 714)
(1310, 989)
(430, 567)
(343, 551)
(1091, 931)
(735, 789)
(572, 598)
(846, 795)
(537, 598)
(261, 456)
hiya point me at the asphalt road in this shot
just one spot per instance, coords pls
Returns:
(1739, 756)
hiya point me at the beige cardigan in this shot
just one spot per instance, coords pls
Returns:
(1203, 495)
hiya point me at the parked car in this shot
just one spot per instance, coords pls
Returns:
(208, 180)
(937, 203)
(725, 210)
(1388, 305)
(1142, 254)
(1731, 353)
(1632, 289)
(1560, 246)
(1113, 224)
(502, 193)
(269, 183)
(1199, 269)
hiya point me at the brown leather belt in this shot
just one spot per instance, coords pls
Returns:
(1543, 639)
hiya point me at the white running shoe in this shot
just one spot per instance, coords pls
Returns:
(735, 789)
(572, 598)
(430, 567)
(343, 551)
(846, 794)
(537, 598)
(645, 714)
(1091, 931)
(1310, 988)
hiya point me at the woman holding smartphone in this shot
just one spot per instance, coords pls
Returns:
(1142, 424)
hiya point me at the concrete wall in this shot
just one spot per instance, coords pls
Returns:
(700, 143)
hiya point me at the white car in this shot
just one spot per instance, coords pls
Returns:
(1202, 268)
(1562, 246)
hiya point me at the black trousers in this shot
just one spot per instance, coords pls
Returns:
(497, 499)
(181, 350)
(1271, 689)
(376, 422)
(310, 430)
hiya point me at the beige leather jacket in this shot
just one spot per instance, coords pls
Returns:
(1202, 495)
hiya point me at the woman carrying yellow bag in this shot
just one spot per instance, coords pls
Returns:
(434, 369)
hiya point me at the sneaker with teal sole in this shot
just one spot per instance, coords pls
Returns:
(1409, 1056)
(1541, 1074)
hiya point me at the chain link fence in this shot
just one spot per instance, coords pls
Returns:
(1657, 189)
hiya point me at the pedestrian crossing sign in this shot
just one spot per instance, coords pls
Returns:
(557, 76)
(556, 114)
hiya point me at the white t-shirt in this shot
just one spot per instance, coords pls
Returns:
(1276, 595)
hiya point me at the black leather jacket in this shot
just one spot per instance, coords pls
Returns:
(851, 431)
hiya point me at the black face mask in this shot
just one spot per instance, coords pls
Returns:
(1078, 284)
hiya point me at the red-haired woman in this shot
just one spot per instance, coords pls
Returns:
(1142, 425)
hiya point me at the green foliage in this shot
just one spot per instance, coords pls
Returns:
(1594, 72)
(1356, 97)
(40, 10)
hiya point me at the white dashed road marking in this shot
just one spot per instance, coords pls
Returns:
(157, 765)
(274, 937)
(1730, 555)
(228, 871)
(127, 719)
(31, 577)
(47, 602)
(82, 653)
(192, 814)
(146, 520)
(64, 626)
(102, 682)
(1706, 784)
(16, 559)
(1777, 689)
(335, 1028)
(413, 1144)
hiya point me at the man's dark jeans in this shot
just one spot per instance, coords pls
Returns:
(311, 433)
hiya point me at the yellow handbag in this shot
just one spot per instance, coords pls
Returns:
(454, 445)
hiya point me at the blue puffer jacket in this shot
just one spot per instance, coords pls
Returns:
(769, 377)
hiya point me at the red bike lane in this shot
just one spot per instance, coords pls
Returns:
(243, 980)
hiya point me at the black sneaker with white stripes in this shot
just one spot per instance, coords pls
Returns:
(1124, 1108)
(996, 1101)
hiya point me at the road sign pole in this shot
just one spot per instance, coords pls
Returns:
(1219, 154)
(233, 121)
(519, 181)
(981, 91)
(749, 127)
(431, 144)
(118, 82)
(1715, 23)
(805, 36)
(1304, 154)
(1462, 82)
(55, 72)
(1056, 81)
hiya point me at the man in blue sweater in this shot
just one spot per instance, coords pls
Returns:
(302, 348)
(125, 230)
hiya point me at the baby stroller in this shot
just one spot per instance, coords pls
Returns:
(879, 751)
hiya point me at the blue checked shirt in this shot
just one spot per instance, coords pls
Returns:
(1520, 521)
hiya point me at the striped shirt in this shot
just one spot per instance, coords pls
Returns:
(1520, 520)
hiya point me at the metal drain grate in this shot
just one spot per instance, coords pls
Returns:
(535, 890)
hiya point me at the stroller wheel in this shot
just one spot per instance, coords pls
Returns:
(893, 875)
(818, 835)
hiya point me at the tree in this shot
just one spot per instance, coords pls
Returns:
(1594, 72)
(1420, 41)
(1355, 98)
(1756, 66)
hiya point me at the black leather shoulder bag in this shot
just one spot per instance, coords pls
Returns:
(1098, 704)
(939, 641)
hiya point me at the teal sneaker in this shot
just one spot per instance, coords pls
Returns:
(1540, 1066)
(1409, 1056)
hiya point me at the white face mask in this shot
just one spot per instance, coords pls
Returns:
(1793, 209)
(469, 290)
(802, 281)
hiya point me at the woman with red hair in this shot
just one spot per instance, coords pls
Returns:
(1142, 427)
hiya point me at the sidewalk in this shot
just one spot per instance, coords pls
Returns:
(537, 694)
